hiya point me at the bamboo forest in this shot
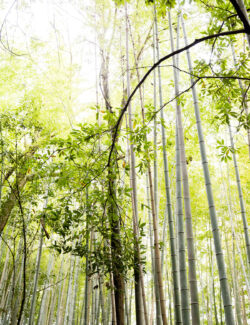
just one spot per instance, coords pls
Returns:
(124, 162)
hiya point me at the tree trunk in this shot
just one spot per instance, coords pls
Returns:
(10, 202)
(181, 240)
(60, 294)
(137, 275)
(242, 204)
(215, 229)
(68, 315)
(38, 261)
(156, 286)
(56, 294)
(44, 301)
(240, 8)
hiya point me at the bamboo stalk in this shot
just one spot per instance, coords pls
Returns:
(215, 229)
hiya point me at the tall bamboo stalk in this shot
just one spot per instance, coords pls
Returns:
(156, 237)
(167, 189)
(68, 315)
(154, 276)
(43, 314)
(215, 229)
(156, 240)
(185, 309)
(60, 292)
(157, 249)
(157, 299)
(189, 227)
(37, 268)
(61, 301)
(242, 204)
(56, 293)
(137, 275)
(230, 212)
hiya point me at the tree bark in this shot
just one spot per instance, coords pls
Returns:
(10, 202)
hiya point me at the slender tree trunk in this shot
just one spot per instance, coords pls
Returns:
(16, 305)
(157, 249)
(153, 263)
(242, 204)
(93, 304)
(61, 307)
(242, 11)
(14, 288)
(115, 241)
(68, 315)
(57, 290)
(244, 308)
(102, 301)
(156, 239)
(74, 291)
(37, 268)
(8, 205)
(6, 297)
(137, 275)
(212, 288)
(215, 229)
(236, 286)
(60, 292)
(43, 309)
(156, 286)
(230, 212)
(185, 309)
(187, 204)
(113, 302)
(98, 307)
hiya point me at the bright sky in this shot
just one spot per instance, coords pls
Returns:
(60, 25)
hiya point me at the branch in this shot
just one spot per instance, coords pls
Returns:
(171, 100)
(209, 77)
(164, 58)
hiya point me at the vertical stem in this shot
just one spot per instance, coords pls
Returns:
(242, 205)
(43, 310)
(37, 268)
(137, 275)
(56, 291)
(215, 228)
(181, 240)
(86, 290)
(154, 277)
(102, 301)
(167, 189)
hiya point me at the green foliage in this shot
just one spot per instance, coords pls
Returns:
(225, 151)
(68, 166)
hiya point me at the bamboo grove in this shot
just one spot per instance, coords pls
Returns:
(125, 148)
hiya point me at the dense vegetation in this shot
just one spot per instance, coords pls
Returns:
(125, 147)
